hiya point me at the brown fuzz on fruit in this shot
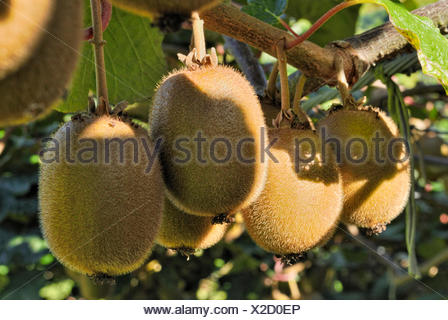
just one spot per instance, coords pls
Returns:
(40, 46)
(212, 126)
(100, 212)
(168, 15)
(183, 232)
(376, 188)
(302, 200)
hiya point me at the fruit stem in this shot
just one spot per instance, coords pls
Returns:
(98, 43)
(316, 26)
(271, 90)
(347, 99)
(283, 70)
(198, 35)
(302, 116)
(284, 84)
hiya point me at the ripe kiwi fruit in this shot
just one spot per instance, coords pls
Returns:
(375, 192)
(100, 216)
(185, 232)
(40, 40)
(301, 202)
(219, 103)
(167, 14)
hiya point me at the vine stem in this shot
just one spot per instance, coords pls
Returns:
(198, 36)
(106, 15)
(98, 43)
(320, 22)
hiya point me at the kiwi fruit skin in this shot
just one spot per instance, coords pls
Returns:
(217, 102)
(374, 193)
(36, 66)
(155, 8)
(21, 34)
(100, 218)
(298, 209)
(181, 230)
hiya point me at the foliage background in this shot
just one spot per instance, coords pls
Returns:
(350, 266)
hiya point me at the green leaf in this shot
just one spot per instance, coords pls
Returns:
(423, 35)
(266, 10)
(135, 62)
(339, 27)
(414, 4)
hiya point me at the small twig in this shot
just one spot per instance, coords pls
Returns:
(434, 160)
(320, 22)
(98, 43)
(287, 27)
(198, 36)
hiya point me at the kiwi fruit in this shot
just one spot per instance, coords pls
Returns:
(100, 210)
(39, 50)
(431, 144)
(301, 202)
(223, 172)
(376, 187)
(166, 14)
(182, 231)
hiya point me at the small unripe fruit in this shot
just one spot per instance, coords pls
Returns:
(432, 145)
(300, 205)
(180, 230)
(211, 124)
(100, 213)
(376, 177)
(39, 48)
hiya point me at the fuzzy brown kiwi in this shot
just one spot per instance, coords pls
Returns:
(40, 41)
(219, 103)
(182, 231)
(167, 14)
(301, 203)
(100, 216)
(375, 192)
